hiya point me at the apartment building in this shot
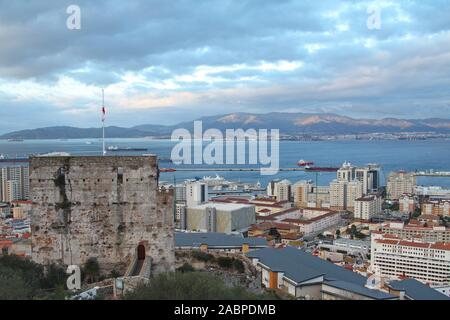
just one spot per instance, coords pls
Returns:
(319, 197)
(407, 203)
(393, 257)
(399, 183)
(338, 194)
(14, 183)
(436, 207)
(301, 190)
(368, 176)
(367, 207)
(411, 230)
(281, 190)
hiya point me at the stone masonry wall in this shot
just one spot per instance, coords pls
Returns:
(102, 207)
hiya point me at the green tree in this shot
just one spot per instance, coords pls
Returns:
(190, 286)
(24, 279)
(238, 265)
(13, 286)
(91, 270)
(225, 262)
(186, 267)
(202, 256)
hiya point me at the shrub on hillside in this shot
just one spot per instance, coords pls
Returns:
(190, 286)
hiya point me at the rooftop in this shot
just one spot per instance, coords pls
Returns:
(300, 266)
(416, 290)
(193, 239)
(222, 206)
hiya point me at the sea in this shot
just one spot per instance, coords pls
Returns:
(392, 155)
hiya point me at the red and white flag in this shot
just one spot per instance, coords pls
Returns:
(103, 113)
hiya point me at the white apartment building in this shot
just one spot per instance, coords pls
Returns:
(432, 191)
(196, 193)
(355, 190)
(180, 215)
(338, 194)
(368, 176)
(366, 207)
(408, 231)
(428, 262)
(399, 183)
(281, 190)
(316, 224)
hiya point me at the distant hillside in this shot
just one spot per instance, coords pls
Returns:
(288, 123)
(63, 132)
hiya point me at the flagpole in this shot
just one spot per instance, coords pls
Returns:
(103, 120)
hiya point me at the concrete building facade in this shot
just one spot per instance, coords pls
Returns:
(220, 217)
(399, 183)
(14, 183)
(367, 207)
(428, 262)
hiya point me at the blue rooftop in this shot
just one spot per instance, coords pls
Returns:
(417, 290)
(212, 239)
(300, 266)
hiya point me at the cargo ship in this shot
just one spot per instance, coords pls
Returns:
(321, 169)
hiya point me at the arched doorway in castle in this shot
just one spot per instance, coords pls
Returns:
(141, 252)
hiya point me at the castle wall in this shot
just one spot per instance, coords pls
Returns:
(101, 207)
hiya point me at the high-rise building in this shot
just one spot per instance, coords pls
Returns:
(354, 191)
(180, 215)
(14, 183)
(366, 207)
(301, 190)
(399, 183)
(369, 176)
(338, 194)
(346, 172)
(281, 190)
(180, 192)
(374, 177)
(196, 193)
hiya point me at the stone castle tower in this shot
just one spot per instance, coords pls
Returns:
(107, 207)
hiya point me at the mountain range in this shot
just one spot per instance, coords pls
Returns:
(288, 123)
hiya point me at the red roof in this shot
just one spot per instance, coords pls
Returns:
(22, 201)
(437, 245)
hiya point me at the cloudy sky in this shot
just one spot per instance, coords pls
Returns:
(168, 61)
